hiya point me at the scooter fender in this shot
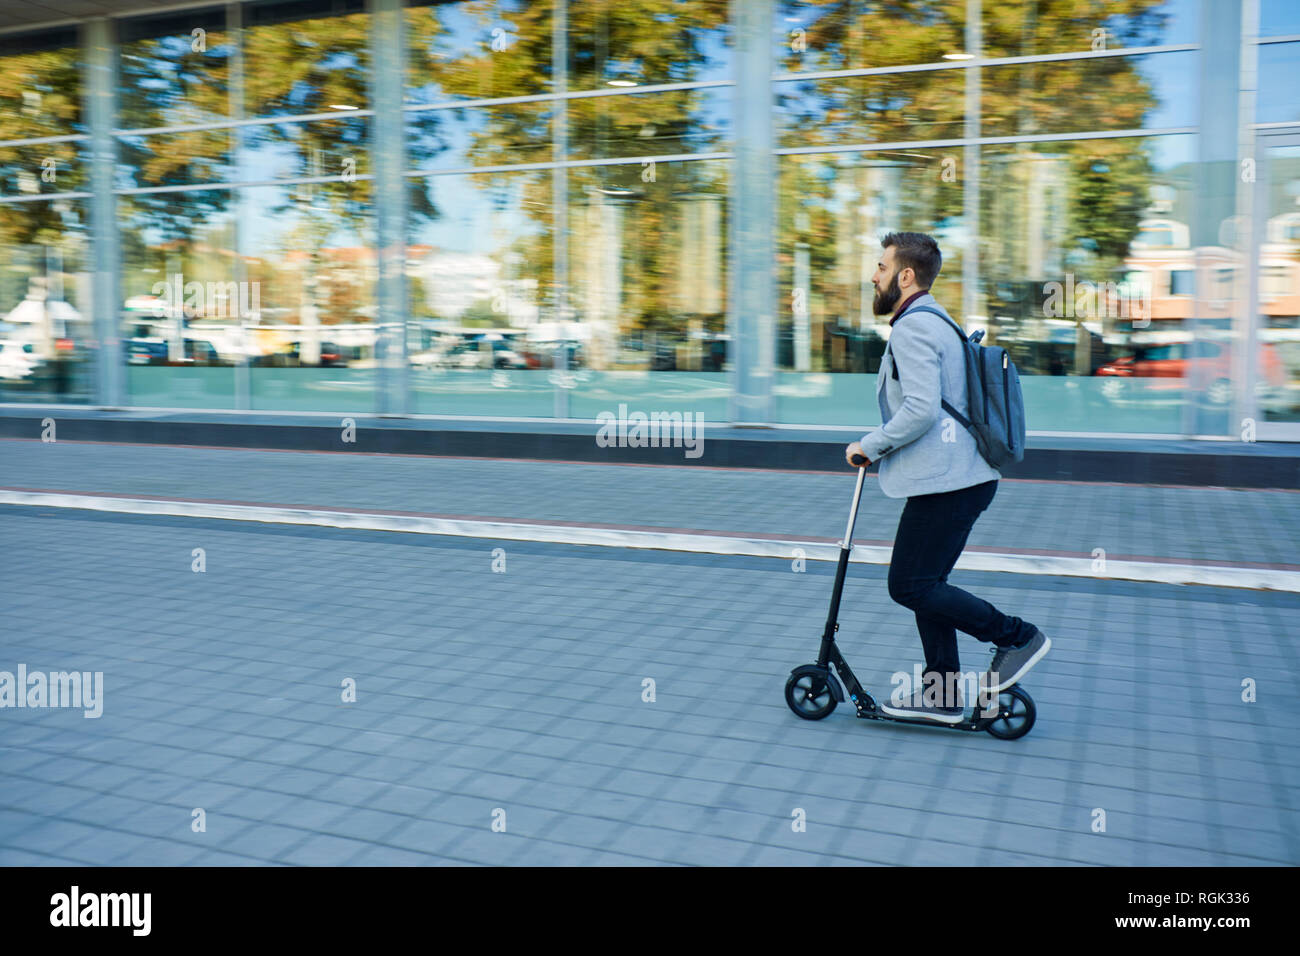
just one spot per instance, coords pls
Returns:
(828, 675)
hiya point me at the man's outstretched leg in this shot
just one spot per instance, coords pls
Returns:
(931, 534)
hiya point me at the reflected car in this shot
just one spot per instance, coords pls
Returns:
(465, 355)
(427, 359)
(146, 351)
(505, 357)
(547, 355)
(155, 351)
(331, 356)
(468, 355)
(201, 352)
(16, 361)
(1212, 360)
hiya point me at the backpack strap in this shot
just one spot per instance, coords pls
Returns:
(961, 419)
(956, 328)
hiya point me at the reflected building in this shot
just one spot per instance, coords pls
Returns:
(682, 210)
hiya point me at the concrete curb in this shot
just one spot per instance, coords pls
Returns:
(1172, 461)
(1226, 575)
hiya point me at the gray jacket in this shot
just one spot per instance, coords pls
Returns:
(921, 449)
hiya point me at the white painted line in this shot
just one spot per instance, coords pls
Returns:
(1007, 563)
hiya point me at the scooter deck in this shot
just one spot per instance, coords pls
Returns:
(972, 723)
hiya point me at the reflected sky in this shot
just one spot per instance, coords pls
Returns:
(1277, 100)
(1279, 18)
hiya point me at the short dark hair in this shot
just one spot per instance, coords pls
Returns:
(917, 251)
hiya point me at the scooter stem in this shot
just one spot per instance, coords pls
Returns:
(841, 569)
(847, 543)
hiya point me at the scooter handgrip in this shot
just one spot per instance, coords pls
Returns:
(858, 460)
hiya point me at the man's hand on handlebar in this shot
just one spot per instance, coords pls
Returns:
(853, 450)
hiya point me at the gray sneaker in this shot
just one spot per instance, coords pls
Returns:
(919, 707)
(1012, 663)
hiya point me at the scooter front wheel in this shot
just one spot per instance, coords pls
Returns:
(808, 694)
(1016, 713)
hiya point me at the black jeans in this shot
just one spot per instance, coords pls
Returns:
(931, 534)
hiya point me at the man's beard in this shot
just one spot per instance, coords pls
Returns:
(886, 300)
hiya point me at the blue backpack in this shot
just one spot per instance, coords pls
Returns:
(993, 397)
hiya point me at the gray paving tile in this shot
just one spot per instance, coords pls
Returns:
(522, 691)
(322, 850)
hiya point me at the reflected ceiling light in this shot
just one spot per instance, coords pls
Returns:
(959, 56)
(340, 106)
(622, 83)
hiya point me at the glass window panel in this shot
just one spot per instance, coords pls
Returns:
(175, 69)
(311, 248)
(187, 231)
(1277, 357)
(649, 124)
(1277, 101)
(479, 281)
(870, 109)
(1034, 29)
(27, 170)
(1105, 93)
(1275, 281)
(338, 147)
(1279, 18)
(40, 85)
(833, 211)
(299, 59)
(858, 34)
(47, 334)
(180, 282)
(648, 276)
(174, 159)
(478, 50)
(617, 43)
(309, 255)
(479, 136)
(1085, 262)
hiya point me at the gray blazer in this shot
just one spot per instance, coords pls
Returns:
(921, 449)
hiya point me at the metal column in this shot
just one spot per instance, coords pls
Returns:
(243, 383)
(751, 284)
(970, 173)
(388, 156)
(99, 47)
(563, 313)
(1217, 180)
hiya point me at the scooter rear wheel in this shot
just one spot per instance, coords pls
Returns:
(1016, 713)
(809, 695)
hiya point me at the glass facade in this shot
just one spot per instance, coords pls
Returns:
(503, 208)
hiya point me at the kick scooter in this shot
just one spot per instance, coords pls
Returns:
(813, 690)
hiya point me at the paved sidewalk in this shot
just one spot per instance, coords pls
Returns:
(1190, 524)
(521, 691)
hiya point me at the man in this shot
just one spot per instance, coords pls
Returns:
(931, 460)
